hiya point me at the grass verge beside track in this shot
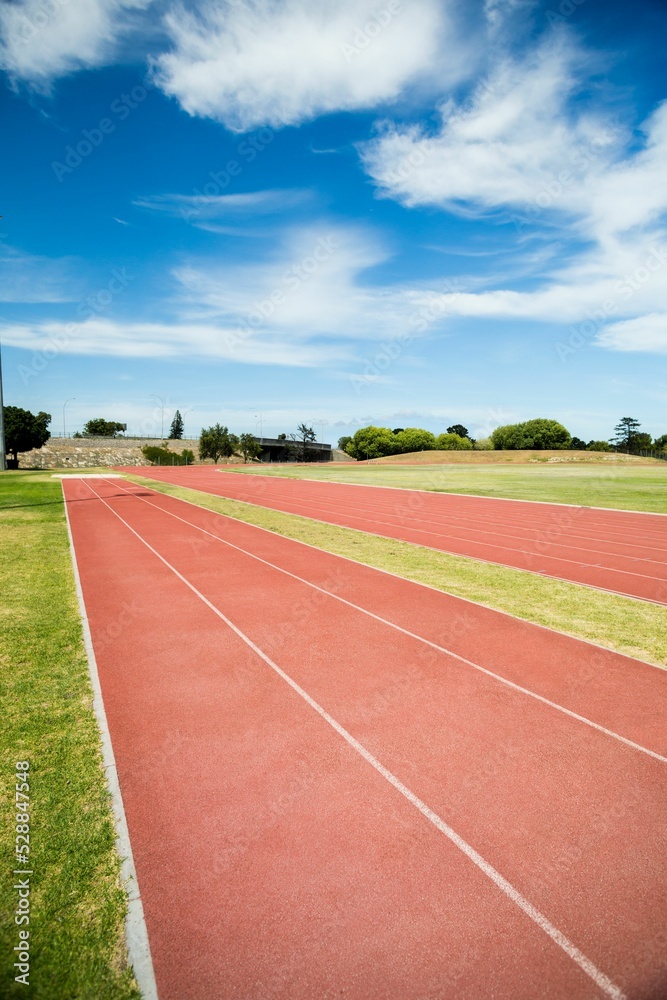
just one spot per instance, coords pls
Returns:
(77, 904)
(635, 628)
(624, 486)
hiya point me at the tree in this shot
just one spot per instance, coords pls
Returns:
(249, 447)
(24, 431)
(177, 426)
(372, 442)
(157, 455)
(598, 446)
(578, 444)
(453, 442)
(216, 442)
(642, 442)
(344, 441)
(460, 430)
(624, 433)
(99, 427)
(535, 434)
(414, 439)
(304, 436)
(660, 443)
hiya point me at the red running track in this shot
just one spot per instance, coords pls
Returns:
(342, 784)
(621, 551)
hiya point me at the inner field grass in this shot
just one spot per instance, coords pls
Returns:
(610, 485)
(78, 905)
(635, 628)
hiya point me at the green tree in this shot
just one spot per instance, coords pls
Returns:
(372, 442)
(598, 446)
(660, 443)
(216, 442)
(344, 441)
(304, 436)
(642, 442)
(24, 431)
(99, 427)
(249, 447)
(177, 427)
(414, 439)
(578, 444)
(157, 455)
(625, 432)
(453, 442)
(535, 434)
(460, 430)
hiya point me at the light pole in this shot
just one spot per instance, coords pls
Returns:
(154, 396)
(70, 400)
(261, 428)
(3, 461)
(184, 415)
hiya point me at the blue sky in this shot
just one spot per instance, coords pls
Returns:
(412, 213)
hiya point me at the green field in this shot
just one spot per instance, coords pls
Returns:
(626, 486)
(77, 902)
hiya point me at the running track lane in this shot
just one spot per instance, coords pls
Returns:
(621, 551)
(276, 860)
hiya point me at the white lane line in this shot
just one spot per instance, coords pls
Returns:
(448, 552)
(584, 963)
(447, 493)
(136, 934)
(412, 635)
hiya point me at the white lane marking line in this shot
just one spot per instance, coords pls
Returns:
(136, 933)
(212, 497)
(413, 635)
(584, 963)
(447, 493)
(449, 552)
(452, 521)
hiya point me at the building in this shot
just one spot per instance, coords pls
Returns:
(282, 450)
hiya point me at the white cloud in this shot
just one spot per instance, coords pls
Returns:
(191, 206)
(27, 278)
(505, 148)
(44, 39)
(312, 285)
(111, 338)
(645, 333)
(281, 62)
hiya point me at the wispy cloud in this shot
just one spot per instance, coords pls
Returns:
(281, 63)
(30, 279)
(42, 41)
(256, 203)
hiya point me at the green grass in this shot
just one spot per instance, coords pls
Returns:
(636, 628)
(77, 902)
(629, 487)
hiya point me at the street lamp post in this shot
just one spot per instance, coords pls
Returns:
(261, 428)
(70, 400)
(154, 396)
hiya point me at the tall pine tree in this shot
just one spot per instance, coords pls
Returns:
(176, 429)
